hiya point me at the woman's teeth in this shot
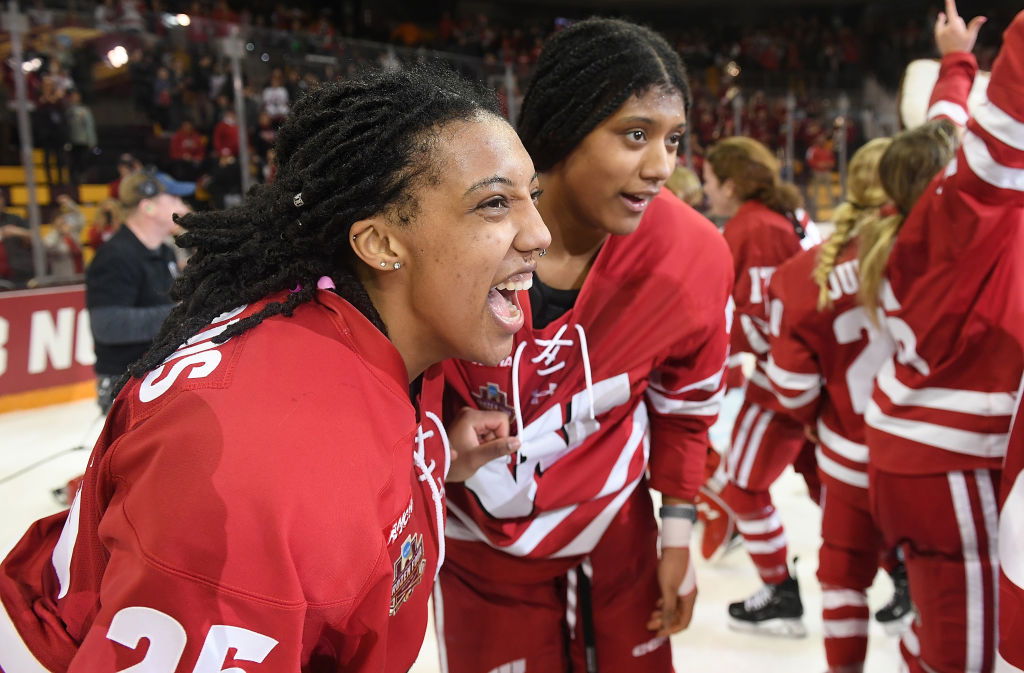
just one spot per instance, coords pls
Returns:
(515, 285)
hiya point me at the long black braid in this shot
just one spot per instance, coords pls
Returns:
(353, 149)
(584, 74)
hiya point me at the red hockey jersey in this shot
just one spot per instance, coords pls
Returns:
(943, 401)
(1010, 318)
(629, 378)
(760, 240)
(822, 363)
(255, 501)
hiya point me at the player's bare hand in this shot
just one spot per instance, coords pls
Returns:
(673, 611)
(952, 34)
(477, 437)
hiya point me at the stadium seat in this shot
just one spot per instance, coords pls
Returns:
(93, 193)
(19, 195)
(15, 175)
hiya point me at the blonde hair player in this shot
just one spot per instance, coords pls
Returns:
(823, 357)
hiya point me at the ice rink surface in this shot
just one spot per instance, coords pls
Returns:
(708, 646)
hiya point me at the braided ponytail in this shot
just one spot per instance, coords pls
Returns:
(864, 196)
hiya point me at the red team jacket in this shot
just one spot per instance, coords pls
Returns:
(1011, 523)
(822, 363)
(760, 240)
(629, 378)
(1008, 281)
(939, 403)
(255, 502)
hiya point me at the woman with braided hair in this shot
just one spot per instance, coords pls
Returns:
(553, 559)
(824, 352)
(263, 491)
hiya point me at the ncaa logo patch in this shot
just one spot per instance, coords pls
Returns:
(409, 567)
(492, 398)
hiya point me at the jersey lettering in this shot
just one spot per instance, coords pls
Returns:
(902, 334)
(167, 640)
(198, 355)
(509, 493)
(844, 279)
(760, 277)
(851, 327)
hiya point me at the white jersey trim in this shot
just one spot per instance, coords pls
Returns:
(461, 526)
(847, 448)
(841, 473)
(965, 442)
(757, 341)
(795, 402)
(791, 380)
(987, 168)
(945, 108)
(667, 405)
(761, 381)
(944, 399)
(1001, 125)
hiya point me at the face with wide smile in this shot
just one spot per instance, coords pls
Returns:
(610, 178)
(471, 246)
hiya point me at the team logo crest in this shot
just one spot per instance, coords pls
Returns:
(409, 567)
(492, 398)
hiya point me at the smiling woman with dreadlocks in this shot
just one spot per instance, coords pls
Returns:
(262, 491)
(554, 561)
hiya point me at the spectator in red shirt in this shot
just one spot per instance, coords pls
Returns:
(821, 160)
(188, 150)
(225, 135)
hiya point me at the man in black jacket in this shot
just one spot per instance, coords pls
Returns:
(128, 283)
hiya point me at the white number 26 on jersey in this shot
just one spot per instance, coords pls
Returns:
(167, 641)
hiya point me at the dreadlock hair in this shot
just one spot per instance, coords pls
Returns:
(353, 150)
(864, 196)
(754, 171)
(584, 74)
(912, 160)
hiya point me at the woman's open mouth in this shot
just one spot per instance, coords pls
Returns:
(503, 301)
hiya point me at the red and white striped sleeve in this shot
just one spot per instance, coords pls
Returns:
(793, 368)
(683, 398)
(990, 162)
(949, 97)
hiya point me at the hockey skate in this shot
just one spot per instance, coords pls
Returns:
(775, 610)
(896, 615)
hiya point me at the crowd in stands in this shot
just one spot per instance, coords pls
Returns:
(180, 86)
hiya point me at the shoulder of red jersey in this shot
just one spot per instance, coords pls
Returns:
(282, 357)
(677, 239)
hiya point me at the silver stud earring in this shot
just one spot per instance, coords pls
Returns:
(397, 266)
(383, 264)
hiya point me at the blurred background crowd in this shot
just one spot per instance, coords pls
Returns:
(126, 85)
